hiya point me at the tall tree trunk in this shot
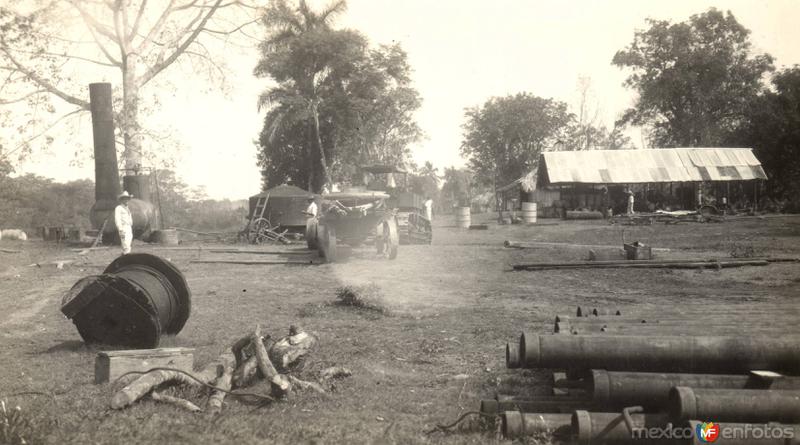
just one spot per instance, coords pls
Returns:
(130, 112)
(326, 179)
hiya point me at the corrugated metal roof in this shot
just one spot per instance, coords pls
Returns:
(652, 165)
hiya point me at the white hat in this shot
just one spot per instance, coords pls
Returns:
(125, 195)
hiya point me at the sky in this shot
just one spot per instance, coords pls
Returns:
(462, 52)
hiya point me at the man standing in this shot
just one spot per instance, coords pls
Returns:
(428, 204)
(311, 210)
(605, 203)
(630, 202)
(124, 222)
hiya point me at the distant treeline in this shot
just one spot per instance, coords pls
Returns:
(30, 201)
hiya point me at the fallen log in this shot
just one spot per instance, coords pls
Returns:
(302, 384)
(288, 352)
(236, 367)
(280, 384)
(246, 372)
(214, 404)
(158, 376)
(176, 401)
(144, 384)
(10, 251)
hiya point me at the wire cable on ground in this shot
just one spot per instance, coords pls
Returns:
(262, 397)
(440, 427)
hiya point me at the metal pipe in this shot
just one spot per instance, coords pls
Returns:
(616, 390)
(137, 298)
(640, 264)
(544, 405)
(734, 405)
(512, 356)
(515, 424)
(655, 329)
(749, 434)
(611, 428)
(106, 175)
(663, 353)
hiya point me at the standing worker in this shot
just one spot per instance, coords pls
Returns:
(428, 204)
(311, 210)
(124, 222)
(605, 203)
(630, 202)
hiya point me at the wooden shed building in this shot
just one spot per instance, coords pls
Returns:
(661, 179)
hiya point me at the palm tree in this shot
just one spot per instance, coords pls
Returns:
(298, 94)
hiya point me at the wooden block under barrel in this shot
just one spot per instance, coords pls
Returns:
(110, 365)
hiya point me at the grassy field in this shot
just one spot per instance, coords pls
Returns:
(430, 356)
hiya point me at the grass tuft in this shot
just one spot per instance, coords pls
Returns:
(368, 298)
(15, 427)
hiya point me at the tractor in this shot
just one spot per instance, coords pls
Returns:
(413, 226)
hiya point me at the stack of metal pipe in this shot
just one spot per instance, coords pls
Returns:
(620, 378)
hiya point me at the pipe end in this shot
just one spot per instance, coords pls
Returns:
(582, 426)
(682, 403)
(512, 356)
(529, 354)
(511, 424)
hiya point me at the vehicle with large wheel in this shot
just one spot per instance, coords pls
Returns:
(353, 218)
(413, 226)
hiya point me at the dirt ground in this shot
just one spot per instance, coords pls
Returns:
(440, 349)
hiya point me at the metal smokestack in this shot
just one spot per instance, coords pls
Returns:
(106, 173)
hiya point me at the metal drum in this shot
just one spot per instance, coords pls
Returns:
(463, 219)
(529, 212)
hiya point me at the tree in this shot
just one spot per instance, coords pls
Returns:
(771, 129)
(290, 56)
(504, 137)
(694, 79)
(336, 103)
(49, 54)
(458, 188)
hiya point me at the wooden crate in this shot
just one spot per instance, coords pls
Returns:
(110, 365)
(636, 251)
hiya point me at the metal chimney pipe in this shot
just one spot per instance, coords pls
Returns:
(106, 174)
(105, 152)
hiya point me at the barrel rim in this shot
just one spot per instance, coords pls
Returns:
(174, 276)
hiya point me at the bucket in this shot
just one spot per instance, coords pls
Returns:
(529, 212)
(463, 219)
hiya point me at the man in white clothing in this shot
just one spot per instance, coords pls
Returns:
(311, 210)
(428, 204)
(124, 222)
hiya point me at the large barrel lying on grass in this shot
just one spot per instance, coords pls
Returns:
(138, 298)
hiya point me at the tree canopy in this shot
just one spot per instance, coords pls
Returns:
(695, 79)
(51, 50)
(771, 128)
(504, 137)
(336, 103)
